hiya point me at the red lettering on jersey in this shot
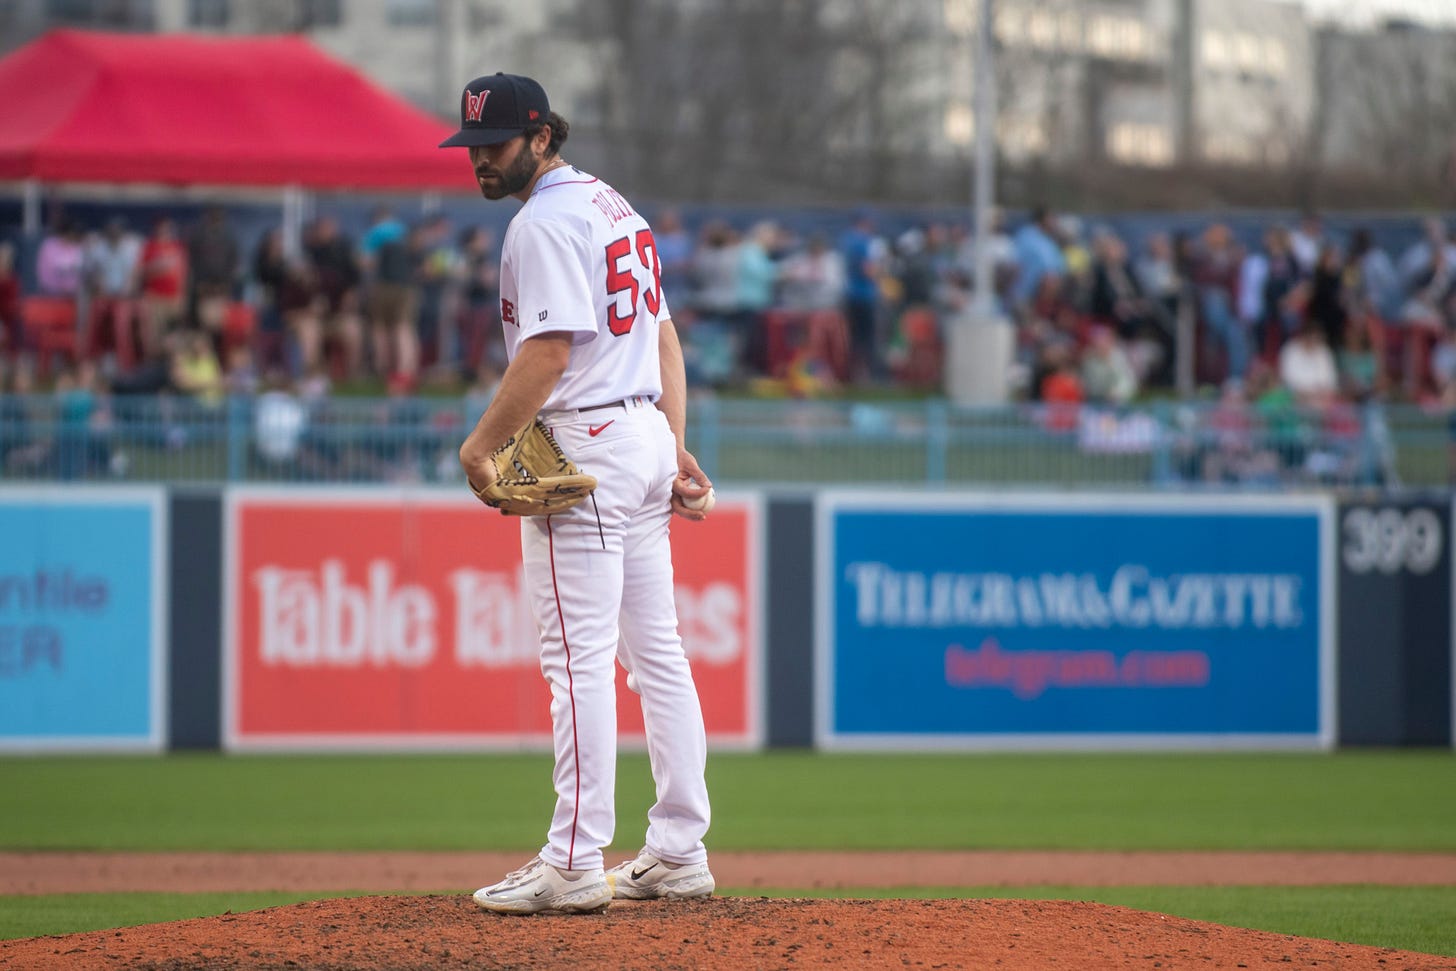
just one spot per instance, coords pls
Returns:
(623, 280)
(612, 205)
(474, 104)
(508, 311)
(651, 294)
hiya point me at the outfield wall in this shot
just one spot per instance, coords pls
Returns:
(998, 620)
(253, 618)
(83, 627)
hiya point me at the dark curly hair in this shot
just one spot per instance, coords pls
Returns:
(559, 130)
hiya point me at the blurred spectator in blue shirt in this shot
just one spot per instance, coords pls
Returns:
(383, 229)
(1215, 273)
(675, 249)
(1038, 254)
(82, 439)
(711, 347)
(1417, 262)
(758, 276)
(865, 255)
(1268, 281)
(1377, 285)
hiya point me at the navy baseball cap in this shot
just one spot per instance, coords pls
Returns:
(497, 108)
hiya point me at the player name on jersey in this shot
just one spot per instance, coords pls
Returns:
(612, 205)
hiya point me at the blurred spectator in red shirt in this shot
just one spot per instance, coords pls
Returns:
(12, 336)
(164, 285)
(1061, 388)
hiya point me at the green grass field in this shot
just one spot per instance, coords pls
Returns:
(1399, 800)
(1393, 801)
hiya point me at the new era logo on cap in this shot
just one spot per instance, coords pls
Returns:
(496, 108)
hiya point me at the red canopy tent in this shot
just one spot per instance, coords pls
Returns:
(82, 106)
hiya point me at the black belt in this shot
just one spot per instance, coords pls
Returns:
(619, 403)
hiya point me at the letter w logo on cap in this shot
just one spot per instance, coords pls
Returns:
(474, 104)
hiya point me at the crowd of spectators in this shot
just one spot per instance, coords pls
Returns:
(1098, 319)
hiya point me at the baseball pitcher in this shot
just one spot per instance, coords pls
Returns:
(584, 440)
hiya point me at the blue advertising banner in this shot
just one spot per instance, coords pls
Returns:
(81, 622)
(1059, 621)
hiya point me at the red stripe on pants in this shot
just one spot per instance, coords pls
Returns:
(571, 693)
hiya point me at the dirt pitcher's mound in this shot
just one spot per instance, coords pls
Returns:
(445, 933)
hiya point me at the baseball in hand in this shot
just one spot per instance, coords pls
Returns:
(703, 503)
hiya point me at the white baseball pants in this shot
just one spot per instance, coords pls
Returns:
(598, 575)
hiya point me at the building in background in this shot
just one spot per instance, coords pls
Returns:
(1388, 100)
(1139, 82)
(1076, 80)
(1253, 87)
(848, 98)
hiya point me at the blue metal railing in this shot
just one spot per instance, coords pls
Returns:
(1165, 444)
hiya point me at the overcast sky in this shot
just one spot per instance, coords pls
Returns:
(1364, 11)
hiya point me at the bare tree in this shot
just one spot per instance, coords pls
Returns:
(763, 99)
(1391, 111)
(811, 101)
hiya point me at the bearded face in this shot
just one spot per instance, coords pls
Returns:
(503, 173)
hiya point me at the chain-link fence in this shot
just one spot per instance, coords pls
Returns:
(1164, 445)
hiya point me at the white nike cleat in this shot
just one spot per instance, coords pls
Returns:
(651, 878)
(539, 886)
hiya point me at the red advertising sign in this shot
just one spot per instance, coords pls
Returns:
(379, 618)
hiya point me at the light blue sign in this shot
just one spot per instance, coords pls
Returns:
(81, 625)
(1073, 621)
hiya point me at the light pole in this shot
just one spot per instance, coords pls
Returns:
(980, 339)
(983, 187)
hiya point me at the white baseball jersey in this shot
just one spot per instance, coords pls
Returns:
(578, 258)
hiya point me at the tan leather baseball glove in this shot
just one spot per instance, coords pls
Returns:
(533, 476)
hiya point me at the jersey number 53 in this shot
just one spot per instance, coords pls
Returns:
(623, 274)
